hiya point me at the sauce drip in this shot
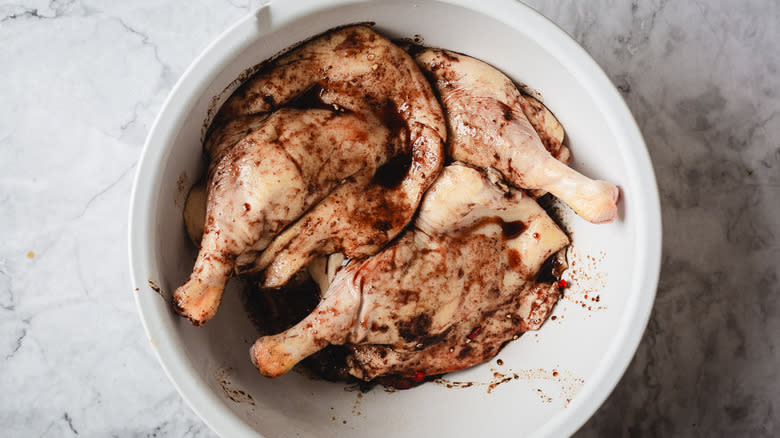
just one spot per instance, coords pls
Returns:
(390, 116)
(393, 172)
(310, 99)
(551, 270)
(510, 230)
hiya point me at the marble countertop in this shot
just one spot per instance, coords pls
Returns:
(81, 83)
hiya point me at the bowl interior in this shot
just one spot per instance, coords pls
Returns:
(557, 376)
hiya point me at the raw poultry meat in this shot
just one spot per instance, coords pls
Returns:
(359, 73)
(488, 128)
(325, 190)
(267, 180)
(469, 262)
(359, 70)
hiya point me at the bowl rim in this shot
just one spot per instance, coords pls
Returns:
(204, 69)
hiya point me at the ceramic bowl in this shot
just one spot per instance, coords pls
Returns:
(550, 381)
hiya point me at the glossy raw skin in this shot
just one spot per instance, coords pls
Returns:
(469, 262)
(550, 132)
(547, 126)
(473, 340)
(356, 69)
(270, 178)
(544, 122)
(488, 128)
(224, 134)
(345, 207)
(358, 219)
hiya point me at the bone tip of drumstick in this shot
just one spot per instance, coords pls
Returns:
(196, 301)
(270, 358)
(606, 210)
(274, 280)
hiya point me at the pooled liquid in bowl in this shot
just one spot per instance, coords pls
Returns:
(275, 310)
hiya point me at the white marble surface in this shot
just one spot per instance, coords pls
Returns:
(81, 82)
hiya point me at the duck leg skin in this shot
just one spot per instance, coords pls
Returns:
(473, 253)
(358, 70)
(267, 180)
(488, 128)
(357, 219)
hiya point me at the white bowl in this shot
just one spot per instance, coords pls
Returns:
(587, 350)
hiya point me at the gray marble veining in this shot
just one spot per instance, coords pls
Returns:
(81, 82)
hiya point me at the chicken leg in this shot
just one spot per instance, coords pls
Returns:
(488, 128)
(354, 68)
(267, 180)
(357, 219)
(359, 70)
(473, 254)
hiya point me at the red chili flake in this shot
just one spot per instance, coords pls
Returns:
(563, 284)
(419, 377)
(474, 333)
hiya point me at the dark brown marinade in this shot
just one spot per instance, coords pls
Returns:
(392, 119)
(329, 364)
(551, 270)
(393, 172)
(399, 382)
(310, 99)
(275, 310)
(409, 46)
(510, 230)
